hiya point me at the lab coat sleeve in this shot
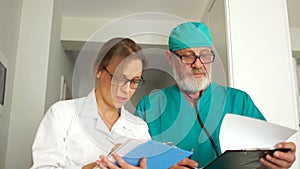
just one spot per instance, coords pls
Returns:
(49, 146)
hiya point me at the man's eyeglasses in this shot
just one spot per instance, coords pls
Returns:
(191, 58)
(120, 80)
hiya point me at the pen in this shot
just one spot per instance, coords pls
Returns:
(192, 150)
(190, 157)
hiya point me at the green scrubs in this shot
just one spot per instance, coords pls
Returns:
(171, 118)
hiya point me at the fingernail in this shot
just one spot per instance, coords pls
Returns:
(279, 145)
(276, 154)
(268, 157)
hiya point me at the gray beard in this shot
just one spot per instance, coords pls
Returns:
(191, 84)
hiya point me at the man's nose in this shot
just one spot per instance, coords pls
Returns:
(197, 63)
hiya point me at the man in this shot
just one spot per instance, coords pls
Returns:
(190, 113)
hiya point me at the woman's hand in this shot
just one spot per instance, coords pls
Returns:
(281, 160)
(90, 166)
(104, 163)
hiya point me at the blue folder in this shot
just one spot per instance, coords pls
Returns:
(159, 155)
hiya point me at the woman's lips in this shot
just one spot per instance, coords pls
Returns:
(121, 99)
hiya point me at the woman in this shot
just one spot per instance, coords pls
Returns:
(74, 133)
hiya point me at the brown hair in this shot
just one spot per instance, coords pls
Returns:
(117, 47)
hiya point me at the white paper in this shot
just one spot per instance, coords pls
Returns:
(239, 132)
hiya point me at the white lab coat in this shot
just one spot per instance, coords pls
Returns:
(72, 134)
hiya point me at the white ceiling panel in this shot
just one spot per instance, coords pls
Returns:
(118, 8)
(189, 10)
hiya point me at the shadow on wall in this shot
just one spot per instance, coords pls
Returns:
(155, 80)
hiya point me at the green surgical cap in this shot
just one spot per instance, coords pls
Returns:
(188, 35)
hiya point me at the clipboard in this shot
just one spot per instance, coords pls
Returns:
(241, 159)
(159, 155)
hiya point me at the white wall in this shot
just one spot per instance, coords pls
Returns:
(80, 29)
(217, 25)
(295, 38)
(59, 63)
(29, 87)
(30, 39)
(146, 28)
(10, 14)
(260, 58)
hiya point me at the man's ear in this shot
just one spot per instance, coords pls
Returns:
(169, 56)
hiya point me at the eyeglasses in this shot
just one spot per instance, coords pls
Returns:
(191, 58)
(119, 80)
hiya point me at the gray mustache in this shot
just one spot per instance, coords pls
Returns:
(199, 71)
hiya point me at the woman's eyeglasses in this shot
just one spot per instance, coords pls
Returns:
(120, 80)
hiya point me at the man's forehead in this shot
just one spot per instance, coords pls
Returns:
(196, 49)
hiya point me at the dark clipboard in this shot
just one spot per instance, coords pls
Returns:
(241, 159)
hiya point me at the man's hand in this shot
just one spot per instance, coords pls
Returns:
(185, 164)
(281, 160)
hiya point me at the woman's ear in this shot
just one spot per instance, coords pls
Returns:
(98, 74)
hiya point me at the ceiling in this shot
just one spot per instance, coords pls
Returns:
(119, 8)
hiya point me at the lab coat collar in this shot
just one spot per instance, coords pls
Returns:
(120, 122)
(89, 107)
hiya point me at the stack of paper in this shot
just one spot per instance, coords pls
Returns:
(245, 140)
(240, 132)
